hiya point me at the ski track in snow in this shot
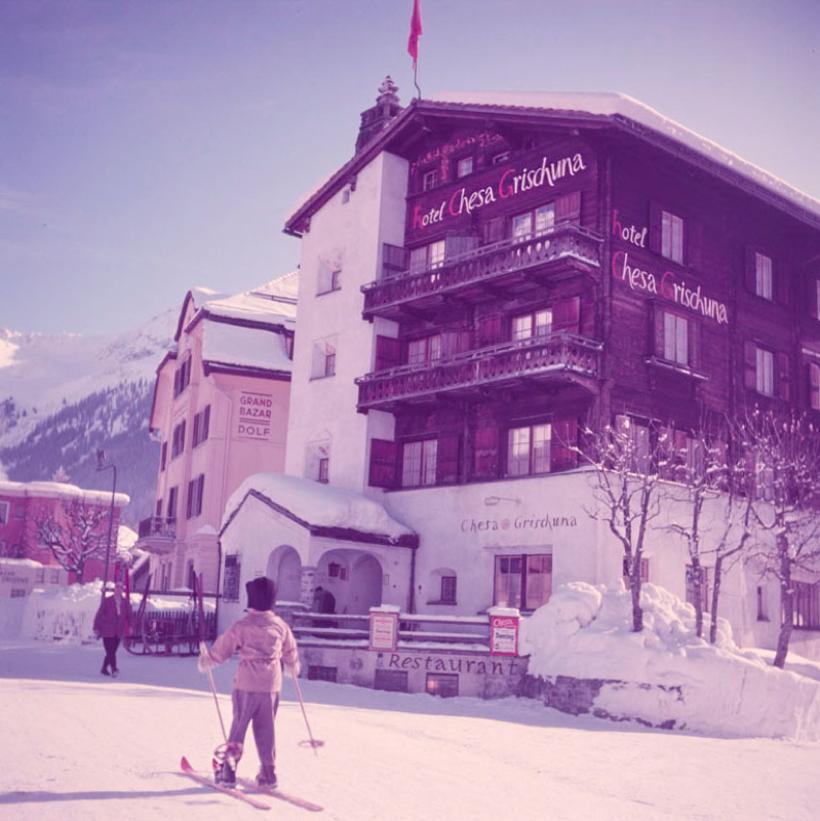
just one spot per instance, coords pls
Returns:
(77, 746)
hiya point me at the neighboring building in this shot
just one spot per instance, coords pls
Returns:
(26, 506)
(488, 276)
(220, 413)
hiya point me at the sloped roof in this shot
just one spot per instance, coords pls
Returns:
(591, 110)
(322, 509)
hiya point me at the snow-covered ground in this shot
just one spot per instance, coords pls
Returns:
(78, 746)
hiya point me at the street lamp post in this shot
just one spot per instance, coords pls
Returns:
(101, 465)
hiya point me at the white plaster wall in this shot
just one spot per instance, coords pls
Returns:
(348, 234)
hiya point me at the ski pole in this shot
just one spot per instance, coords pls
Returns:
(202, 646)
(313, 741)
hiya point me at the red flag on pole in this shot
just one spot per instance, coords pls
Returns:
(415, 33)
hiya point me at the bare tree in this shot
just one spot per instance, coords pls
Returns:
(783, 451)
(73, 538)
(628, 460)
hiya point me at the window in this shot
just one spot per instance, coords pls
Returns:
(329, 279)
(644, 571)
(533, 223)
(324, 467)
(419, 463)
(464, 167)
(638, 444)
(814, 385)
(230, 585)
(178, 440)
(4, 513)
(202, 425)
(762, 607)
(196, 488)
(528, 450)
(704, 587)
(501, 157)
(524, 581)
(318, 672)
(806, 605)
(394, 681)
(427, 257)
(763, 276)
(18, 592)
(182, 376)
(764, 372)
(324, 358)
(671, 237)
(163, 456)
(424, 351)
(444, 685)
(526, 326)
(448, 590)
(675, 338)
(429, 180)
(173, 493)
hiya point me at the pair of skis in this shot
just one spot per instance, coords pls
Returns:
(244, 796)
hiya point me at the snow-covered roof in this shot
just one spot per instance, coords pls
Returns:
(60, 490)
(240, 346)
(618, 109)
(321, 508)
(623, 106)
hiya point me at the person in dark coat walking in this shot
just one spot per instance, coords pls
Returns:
(110, 624)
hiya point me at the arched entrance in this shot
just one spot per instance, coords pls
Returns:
(285, 568)
(353, 577)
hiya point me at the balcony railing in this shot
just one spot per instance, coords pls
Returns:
(553, 357)
(157, 526)
(564, 242)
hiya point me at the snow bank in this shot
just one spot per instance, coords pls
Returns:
(318, 504)
(584, 632)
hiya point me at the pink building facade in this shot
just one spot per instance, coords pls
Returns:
(220, 413)
(24, 505)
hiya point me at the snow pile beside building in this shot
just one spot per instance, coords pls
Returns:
(317, 505)
(62, 614)
(665, 675)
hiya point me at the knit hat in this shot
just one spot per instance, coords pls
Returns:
(261, 593)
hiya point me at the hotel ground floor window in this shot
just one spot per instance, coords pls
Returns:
(528, 450)
(419, 463)
(806, 605)
(524, 582)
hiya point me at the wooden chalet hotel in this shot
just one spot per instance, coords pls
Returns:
(491, 272)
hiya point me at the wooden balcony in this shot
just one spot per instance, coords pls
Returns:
(567, 249)
(557, 359)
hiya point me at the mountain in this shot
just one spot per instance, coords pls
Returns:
(64, 396)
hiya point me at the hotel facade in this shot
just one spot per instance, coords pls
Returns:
(486, 278)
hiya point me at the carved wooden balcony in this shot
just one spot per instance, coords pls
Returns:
(567, 247)
(555, 359)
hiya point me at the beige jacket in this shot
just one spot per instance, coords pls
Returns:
(264, 641)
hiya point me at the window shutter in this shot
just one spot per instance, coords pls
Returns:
(694, 331)
(693, 244)
(814, 385)
(383, 454)
(388, 352)
(197, 417)
(395, 259)
(200, 492)
(780, 286)
(566, 315)
(783, 374)
(447, 462)
(750, 270)
(655, 216)
(564, 437)
(750, 366)
(189, 500)
(814, 297)
(486, 451)
(206, 422)
(490, 329)
(568, 207)
(659, 332)
(493, 231)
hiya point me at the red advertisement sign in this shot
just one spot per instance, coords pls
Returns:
(384, 631)
(504, 635)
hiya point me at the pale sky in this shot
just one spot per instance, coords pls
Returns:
(147, 147)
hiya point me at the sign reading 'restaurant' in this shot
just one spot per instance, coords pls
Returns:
(253, 420)
(510, 182)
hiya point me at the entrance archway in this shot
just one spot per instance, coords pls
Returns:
(366, 584)
(353, 577)
(285, 569)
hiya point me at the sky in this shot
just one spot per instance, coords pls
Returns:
(149, 147)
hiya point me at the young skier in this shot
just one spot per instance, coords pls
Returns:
(264, 642)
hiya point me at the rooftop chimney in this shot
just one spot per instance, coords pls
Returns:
(376, 118)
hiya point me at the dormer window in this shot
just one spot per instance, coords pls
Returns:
(429, 180)
(501, 157)
(464, 167)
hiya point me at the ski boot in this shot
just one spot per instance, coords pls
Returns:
(267, 777)
(226, 757)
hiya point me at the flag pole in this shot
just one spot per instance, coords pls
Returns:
(415, 78)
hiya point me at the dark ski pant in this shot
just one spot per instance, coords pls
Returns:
(259, 708)
(111, 643)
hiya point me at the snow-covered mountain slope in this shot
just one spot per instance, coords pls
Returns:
(63, 396)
